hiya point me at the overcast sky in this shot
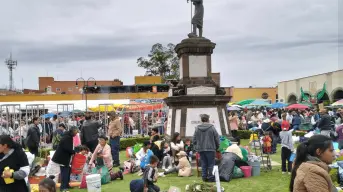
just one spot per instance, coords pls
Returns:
(259, 42)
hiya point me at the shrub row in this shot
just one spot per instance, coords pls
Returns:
(245, 134)
(128, 142)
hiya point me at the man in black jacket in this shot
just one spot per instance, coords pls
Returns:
(89, 133)
(63, 155)
(33, 137)
(325, 125)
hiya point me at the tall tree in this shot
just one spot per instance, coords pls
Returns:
(161, 61)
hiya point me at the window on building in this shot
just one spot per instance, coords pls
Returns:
(58, 89)
(70, 89)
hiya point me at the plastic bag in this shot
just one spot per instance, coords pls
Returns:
(292, 157)
(224, 144)
(53, 169)
(137, 147)
(237, 172)
(105, 174)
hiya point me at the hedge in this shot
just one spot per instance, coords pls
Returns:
(245, 134)
(129, 142)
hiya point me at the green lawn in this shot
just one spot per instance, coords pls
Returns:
(272, 181)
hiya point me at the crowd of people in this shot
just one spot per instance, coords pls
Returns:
(81, 135)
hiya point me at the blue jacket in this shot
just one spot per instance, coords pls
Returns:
(296, 120)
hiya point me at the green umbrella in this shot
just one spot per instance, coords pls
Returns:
(306, 103)
(245, 102)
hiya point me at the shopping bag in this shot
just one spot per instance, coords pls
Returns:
(105, 174)
(292, 157)
(137, 147)
(224, 144)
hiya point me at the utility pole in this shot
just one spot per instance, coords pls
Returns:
(11, 64)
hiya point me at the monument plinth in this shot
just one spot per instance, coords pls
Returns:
(196, 93)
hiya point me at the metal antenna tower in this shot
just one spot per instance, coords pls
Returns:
(11, 64)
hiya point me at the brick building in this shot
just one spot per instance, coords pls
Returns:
(69, 87)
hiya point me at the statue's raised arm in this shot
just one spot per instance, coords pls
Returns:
(198, 18)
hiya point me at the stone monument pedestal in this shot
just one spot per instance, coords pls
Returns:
(196, 92)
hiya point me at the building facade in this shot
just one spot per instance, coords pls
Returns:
(239, 94)
(328, 85)
(70, 87)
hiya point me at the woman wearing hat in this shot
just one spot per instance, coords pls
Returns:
(102, 154)
(183, 168)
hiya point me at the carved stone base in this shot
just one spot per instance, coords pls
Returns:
(184, 114)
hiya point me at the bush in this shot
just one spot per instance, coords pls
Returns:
(334, 176)
(244, 134)
(44, 152)
(129, 142)
(299, 133)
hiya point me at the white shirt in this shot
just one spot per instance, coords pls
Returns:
(140, 154)
(289, 118)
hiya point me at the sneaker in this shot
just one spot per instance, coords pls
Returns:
(140, 173)
(170, 167)
(164, 167)
(283, 173)
(116, 165)
(161, 175)
(289, 173)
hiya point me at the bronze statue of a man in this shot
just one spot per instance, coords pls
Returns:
(198, 18)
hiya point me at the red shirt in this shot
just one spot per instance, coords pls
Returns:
(285, 124)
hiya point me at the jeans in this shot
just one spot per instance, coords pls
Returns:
(115, 147)
(172, 170)
(167, 160)
(153, 188)
(295, 127)
(285, 155)
(34, 151)
(65, 177)
(207, 160)
(275, 139)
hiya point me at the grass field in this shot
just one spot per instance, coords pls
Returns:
(272, 181)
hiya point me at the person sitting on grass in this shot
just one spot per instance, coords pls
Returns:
(189, 149)
(183, 168)
(143, 156)
(150, 175)
(167, 160)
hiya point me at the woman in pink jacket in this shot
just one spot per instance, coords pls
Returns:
(102, 154)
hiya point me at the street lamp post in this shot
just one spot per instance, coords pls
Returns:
(85, 86)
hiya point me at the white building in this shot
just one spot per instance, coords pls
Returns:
(290, 91)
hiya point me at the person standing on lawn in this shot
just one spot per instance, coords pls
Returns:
(63, 156)
(89, 133)
(286, 149)
(33, 137)
(206, 142)
(115, 130)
